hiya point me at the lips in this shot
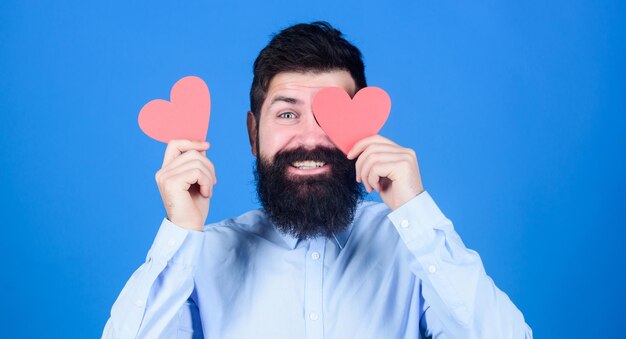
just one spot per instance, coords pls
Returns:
(307, 164)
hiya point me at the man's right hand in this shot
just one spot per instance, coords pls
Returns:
(185, 182)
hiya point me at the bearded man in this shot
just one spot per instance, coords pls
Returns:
(316, 261)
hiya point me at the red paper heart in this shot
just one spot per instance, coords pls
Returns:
(345, 120)
(186, 116)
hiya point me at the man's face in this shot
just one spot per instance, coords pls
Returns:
(287, 121)
(306, 185)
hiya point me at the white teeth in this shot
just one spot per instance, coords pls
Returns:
(308, 164)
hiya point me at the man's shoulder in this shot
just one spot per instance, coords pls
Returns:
(372, 227)
(255, 224)
(370, 218)
(249, 221)
(250, 227)
(372, 209)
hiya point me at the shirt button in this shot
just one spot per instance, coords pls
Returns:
(315, 255)
(404, 223)
(172, 242)
(139, 302)
(432, 269)
(313, 316)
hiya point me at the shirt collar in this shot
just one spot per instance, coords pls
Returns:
(290, 240)
(340, 238)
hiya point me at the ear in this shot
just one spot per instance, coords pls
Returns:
(252, 132)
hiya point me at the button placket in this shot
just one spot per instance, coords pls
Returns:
(313, 289)
(315, 255)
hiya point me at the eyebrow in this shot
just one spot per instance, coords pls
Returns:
(286, 99)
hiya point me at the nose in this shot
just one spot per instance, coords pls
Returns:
(311, 134)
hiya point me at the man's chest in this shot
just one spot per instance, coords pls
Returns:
(314, 293)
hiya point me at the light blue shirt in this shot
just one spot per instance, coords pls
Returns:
(400, 274)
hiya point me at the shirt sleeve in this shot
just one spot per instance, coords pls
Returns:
(461, 300)
(155, 301)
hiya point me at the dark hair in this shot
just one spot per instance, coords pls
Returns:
(314, 47)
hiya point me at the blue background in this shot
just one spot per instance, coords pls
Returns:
(515, 109)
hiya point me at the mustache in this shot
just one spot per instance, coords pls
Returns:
(321, 154)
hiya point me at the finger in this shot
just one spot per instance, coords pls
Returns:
(191, 155)
(190, 165)
(365, 142)
(377, 148)
(194, 167)
(377, 159)
(195, 176)
(380, 170)
(212, 169)
(177, 147)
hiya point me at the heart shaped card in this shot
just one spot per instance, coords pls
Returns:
(185, 116)
(346, 120)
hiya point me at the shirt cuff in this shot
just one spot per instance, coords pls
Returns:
(176, 244)
(417, 219)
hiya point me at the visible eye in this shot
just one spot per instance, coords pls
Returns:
(287, 115)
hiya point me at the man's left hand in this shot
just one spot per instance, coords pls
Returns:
(388, 168)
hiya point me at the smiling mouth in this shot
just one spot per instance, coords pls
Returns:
(307, 164)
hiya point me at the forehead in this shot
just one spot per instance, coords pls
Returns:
(309, 83)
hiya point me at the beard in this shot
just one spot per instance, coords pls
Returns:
(306, 206)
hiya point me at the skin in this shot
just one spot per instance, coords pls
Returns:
(286, 120)
(186, 181)
(187, 176)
